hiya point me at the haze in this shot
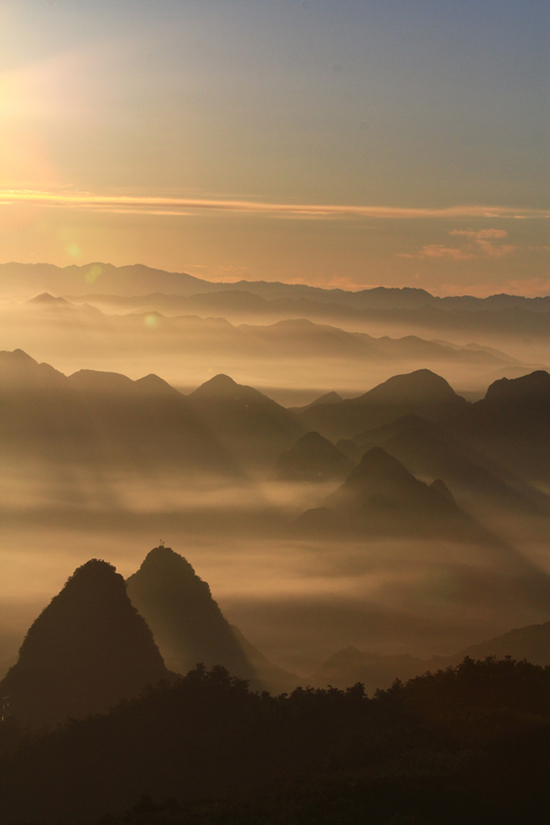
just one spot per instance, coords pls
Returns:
(214, 215)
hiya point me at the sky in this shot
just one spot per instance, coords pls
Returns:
(351, 143)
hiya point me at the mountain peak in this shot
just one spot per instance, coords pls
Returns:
(377, 463)
(154, 385)
(219, 386)
(328, 398)
(420, 385)
(88, 649)
(20, 370)
(49, 300)
(534, 386)
(98, 380)
(313, 458)
(16, 356)
(164, 559)
(186, 621)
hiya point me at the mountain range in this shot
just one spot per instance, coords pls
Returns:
(429, 451)
(97, 278)
(351, 665)
(421, 392)
(291, 335)
(98, 641)
(381, 497)
(497, 445)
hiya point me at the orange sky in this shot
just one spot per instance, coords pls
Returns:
(369, 144)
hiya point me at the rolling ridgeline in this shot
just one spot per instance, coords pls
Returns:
(230, 430)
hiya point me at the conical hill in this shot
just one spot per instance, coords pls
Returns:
(186, 621)
(86, 651)
(189, 626)
(313, 459)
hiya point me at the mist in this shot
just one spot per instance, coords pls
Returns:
(100, 461)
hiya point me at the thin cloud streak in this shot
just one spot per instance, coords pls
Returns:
(173, 206)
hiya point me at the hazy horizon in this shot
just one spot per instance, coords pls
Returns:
(352, 145)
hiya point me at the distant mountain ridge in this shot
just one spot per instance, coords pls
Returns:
(97, 277)
(376, 671)
(227, 428)
(421, 392)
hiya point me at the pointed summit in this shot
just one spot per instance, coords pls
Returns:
(252, 427)
(381, 496)
(189, 625)
(85, 652)
(313, 459)
(383, 480)
(377, 465)
(19, 371)
(220, 386)
(186, 621)
(45, 299)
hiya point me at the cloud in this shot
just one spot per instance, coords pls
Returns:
(480, 234)
(482, 243)
(145, 204)
(437, 250)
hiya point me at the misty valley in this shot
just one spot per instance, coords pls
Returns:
(270, 553)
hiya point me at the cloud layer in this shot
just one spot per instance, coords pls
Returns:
(180, 206)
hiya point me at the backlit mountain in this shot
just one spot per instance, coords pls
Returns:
(88, 649)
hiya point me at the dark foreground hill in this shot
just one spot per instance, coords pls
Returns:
(189, 626)
(351, 665)
(85, 652)
(469, 744)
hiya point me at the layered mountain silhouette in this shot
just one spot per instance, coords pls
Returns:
(252, 427)
(140, 280)
(86, 651)
(421, 392)
(313, 459)
(531, 643)
(352, 665)
(375, 672)
(18, 372)
(104, 419)
(327, 398)
(189, 626)
(429, 451)
(380, 496)
(512, 424)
